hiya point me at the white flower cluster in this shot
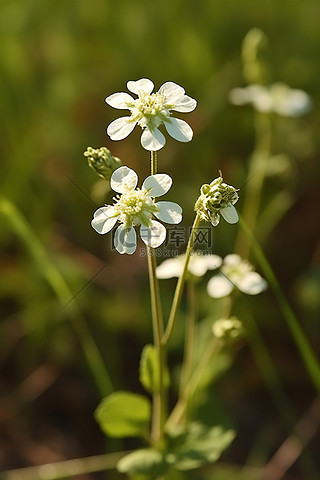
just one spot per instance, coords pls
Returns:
(137, 207)
(233, 273)
(199, 264)
(149, 111)
(277, 98)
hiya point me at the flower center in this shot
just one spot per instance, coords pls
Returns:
(149, 110)
(237, 271)
(135, 207)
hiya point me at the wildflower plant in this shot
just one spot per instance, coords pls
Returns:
(173, 439)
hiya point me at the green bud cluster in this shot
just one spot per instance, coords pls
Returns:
(227, 328)
(214, 197)
(102, 162)
(255, 57)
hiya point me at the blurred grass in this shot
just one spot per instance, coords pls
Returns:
(58, 61)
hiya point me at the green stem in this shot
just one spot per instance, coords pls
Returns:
(189, 340)
(154, 163)
(159, 398)
(62, 291)
(181, 406)
(308, 357)
(180, 284)
(254, 185)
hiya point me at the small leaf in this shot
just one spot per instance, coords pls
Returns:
(149, 373)
(124, 414)
(143, 462)
(197, 445)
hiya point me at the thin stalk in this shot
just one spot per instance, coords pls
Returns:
(159, 398)
(154, 163)
(308, 357)
(56, 281)
(189, 340)
(182, 404)
(254, 185)
(180, 284)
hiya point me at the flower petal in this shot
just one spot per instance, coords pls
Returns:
(215, 218)
(258, 95)
(252, 283)
(144, 84)
(232, 260)
(178, 129)
(104, 219)
(154, 235)
(157, 184)
(125, 240)
(122, 178)
(261, 98)
(200, 264)
(119, 100)
(120, 128)
(172, 92)
(230, 214)
(170, 268)
(289, 101)
(186, 104)
(152, 141)
(169, 212)
(240, 96)
(219, 286)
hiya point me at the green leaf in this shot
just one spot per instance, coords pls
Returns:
(149, 372)
(197, 445)
(124, 414)
(146, 461)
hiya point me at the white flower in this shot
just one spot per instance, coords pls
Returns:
(199, 264)
(278, 98)
(149, 110)
(238, 273)
(136, 207)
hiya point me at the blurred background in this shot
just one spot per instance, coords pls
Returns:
(66, 298)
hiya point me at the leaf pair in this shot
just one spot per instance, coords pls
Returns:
(187, 449)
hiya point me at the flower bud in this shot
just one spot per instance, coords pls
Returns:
(102, 162)
(217, 198)
(256, 65)
(227, 328)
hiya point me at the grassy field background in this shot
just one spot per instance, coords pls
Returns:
(58, 61)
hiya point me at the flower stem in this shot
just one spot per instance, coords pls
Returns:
(56, 281)
(182, 404)
(180, 284)
(154, 163)
(308, 357)
(189, 341)
(159, 398)
(254, 185)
